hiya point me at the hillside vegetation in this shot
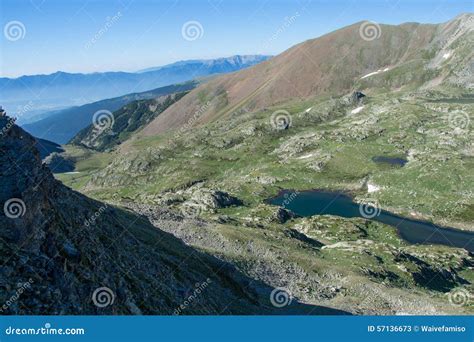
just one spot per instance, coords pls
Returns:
(126, 120)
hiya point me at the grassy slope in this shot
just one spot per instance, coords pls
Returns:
(236, 154)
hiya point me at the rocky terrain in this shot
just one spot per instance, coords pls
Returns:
(309, 258)
(208, 187)
(63, 253)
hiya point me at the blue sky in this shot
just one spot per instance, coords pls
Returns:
(128, 35)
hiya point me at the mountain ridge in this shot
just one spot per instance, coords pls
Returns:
(232, 60)
(128, 119)
(64, 124)
(328, 65)
(59, 89)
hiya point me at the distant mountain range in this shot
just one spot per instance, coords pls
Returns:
(30, 95)
(215, 66)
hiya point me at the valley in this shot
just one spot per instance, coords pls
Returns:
(224, 170)
(168, 176)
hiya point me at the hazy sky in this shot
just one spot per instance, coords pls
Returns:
(44, 36)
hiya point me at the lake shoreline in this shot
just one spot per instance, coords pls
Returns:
(463, 226)
(412, 230)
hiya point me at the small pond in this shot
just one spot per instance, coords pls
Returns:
(394, 161)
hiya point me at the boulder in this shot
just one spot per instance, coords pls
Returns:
(215, 199)
(282, 215)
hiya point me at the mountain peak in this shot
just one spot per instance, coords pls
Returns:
(332, 64)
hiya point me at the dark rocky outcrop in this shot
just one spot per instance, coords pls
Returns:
(215, 199)
(357, 97)
(124, 121)
(283, 215)
(432, 277)
(293, 233)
